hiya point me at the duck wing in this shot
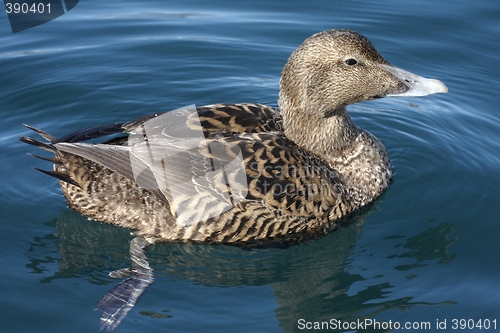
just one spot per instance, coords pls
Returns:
(240, 118)
(201, 178)
(217, 169)
(216, 118)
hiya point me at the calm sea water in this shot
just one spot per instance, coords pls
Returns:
(427, 252)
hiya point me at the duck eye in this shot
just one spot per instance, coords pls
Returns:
(351, 61)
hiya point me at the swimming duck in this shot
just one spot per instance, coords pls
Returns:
(243, 173)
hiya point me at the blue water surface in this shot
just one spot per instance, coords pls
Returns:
(428, 252)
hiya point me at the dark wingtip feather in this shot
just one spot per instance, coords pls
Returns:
(52, 160)
(91, 133)
(39, 144)
(43, 134)
(60, 176)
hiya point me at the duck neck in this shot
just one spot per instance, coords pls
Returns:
(325, 136)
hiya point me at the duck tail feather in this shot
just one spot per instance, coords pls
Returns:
(43, 134)
(52, 160)
(39, 144)
(60, 176)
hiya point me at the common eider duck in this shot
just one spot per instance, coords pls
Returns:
(243, 173)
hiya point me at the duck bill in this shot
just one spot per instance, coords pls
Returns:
(417, 85)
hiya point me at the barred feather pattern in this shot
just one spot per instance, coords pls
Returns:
(290, 194)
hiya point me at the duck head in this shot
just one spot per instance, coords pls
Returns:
(335, 68)
(328, 71)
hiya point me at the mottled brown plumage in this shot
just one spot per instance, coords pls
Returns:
(297, 174)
